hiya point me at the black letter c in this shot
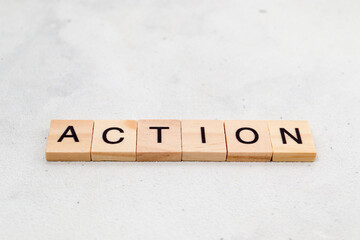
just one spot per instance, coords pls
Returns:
(109, 129)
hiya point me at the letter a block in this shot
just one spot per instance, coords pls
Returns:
(69, 140)
(203, 140)
(292, 141)
(159, 140)
(248, 141)
(114, 140)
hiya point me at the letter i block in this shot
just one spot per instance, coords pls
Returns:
(158, 140)
(203, 140)
(114, 140)
(292, 141)
(69, 140)
(248, 141)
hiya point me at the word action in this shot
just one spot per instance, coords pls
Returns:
(180, 140)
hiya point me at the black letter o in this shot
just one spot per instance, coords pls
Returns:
(256, 135)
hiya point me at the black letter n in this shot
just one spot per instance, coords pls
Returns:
(296, 139)
(73, 134)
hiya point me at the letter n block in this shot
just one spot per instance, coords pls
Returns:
(292, 141)
(248, 141)
(114, 140)
(158, 140)
(69, 140)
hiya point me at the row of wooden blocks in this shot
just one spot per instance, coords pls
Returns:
(179, 140)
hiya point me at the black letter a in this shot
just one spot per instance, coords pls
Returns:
(73, 134)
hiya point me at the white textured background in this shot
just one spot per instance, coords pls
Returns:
(179, 59)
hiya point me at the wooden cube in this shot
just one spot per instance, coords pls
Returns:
(203, 140)
(114, 140)
(158, 140)
(292, 141)
(248, 141)
(69, 140)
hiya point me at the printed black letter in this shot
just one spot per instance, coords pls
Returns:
(73, 134)
(296, 139)
(256, 135)
(109, 129)
(203, 139)
(159, 132)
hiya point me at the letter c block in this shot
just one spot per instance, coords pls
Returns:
(114, 140)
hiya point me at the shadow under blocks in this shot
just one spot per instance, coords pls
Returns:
(180, 140)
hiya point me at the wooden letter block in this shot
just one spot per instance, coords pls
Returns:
(203, 140)
(69, 140)
(248, 141)
(292, 141)
(158, 140)
(114, 140)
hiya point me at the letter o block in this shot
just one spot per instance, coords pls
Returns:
(248, 141)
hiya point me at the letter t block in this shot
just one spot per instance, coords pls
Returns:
(158, 140)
